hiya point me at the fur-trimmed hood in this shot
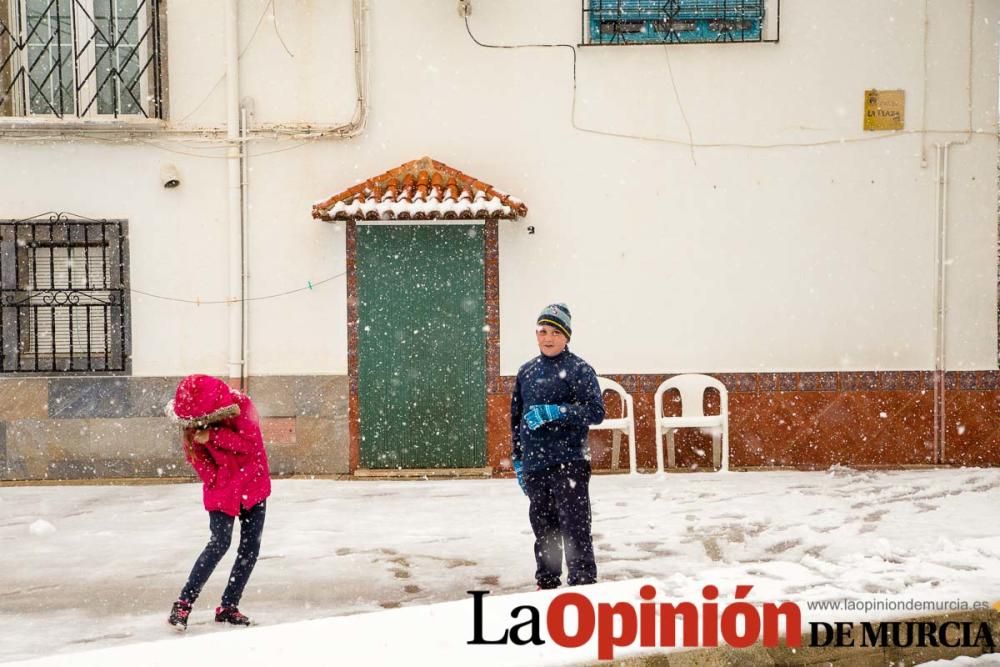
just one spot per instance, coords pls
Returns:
(201, 400)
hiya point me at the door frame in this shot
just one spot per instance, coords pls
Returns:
(491, 275)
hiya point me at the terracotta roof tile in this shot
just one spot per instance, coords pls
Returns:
(423, 189)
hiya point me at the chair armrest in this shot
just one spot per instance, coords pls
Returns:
(694, 422)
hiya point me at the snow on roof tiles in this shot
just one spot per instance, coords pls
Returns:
(422, 189)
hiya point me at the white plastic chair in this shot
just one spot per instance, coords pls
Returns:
(619, 425)
(692, 388)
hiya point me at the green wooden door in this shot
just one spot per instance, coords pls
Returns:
(421, 346)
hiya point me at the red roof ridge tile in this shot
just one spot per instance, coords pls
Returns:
(413, 181)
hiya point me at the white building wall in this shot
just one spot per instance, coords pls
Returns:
(725, 258)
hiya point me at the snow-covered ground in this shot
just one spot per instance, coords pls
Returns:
(981, 661)
(95, 567)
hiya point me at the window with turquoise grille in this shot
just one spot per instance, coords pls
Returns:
(678, 21)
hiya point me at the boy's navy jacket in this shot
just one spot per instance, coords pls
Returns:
(565, 380)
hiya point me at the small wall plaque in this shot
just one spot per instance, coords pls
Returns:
(884, 109)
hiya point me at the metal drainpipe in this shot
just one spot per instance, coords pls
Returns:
(941, 271)
(235, 191)
(246, 108)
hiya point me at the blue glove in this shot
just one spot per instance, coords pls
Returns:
(541, 414)
(519, 471)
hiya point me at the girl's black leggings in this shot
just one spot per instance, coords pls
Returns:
(221, 525)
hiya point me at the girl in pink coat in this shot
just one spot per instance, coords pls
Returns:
(223, 443)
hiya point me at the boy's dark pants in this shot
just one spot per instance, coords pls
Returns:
(221, 525)
(560, 516)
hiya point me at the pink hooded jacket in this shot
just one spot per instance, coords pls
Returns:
(232, 464)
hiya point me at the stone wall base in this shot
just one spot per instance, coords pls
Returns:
(80, 428)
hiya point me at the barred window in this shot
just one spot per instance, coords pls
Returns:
(63, 296)
(80, 58)
(679, 21)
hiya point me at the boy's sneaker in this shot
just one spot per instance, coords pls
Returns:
(179, 615)
(230, 615)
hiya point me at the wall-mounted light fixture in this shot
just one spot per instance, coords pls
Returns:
(169, 176)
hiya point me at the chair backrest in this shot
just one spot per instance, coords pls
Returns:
(691, 387)
(607, 384)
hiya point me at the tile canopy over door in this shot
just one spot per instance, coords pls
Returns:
(422, 287)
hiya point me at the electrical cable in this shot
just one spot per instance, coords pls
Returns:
(680, 106)
(309, 286)
(764, 146)
(277, 32)
(222, 77)
(65, 216)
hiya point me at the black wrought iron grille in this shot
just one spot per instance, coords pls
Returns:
(81, 58)
(63, 296)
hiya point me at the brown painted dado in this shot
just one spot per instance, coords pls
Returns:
(808, 420)
(803, 420)
(71, 428)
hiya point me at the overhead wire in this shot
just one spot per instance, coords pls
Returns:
(277, 31)
(222, 77)
(691, 144)
(66, 216)
(680, 106)
(310, 285)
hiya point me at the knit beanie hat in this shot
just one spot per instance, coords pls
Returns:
(201, 400)
(557, 315)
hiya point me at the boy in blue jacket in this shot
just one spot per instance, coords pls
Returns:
(556, 398)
